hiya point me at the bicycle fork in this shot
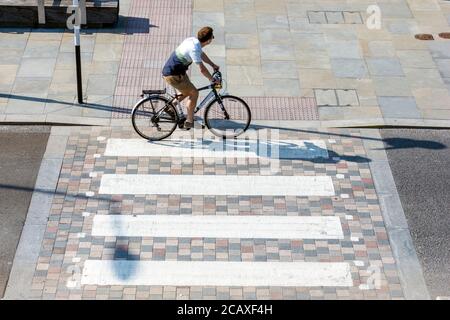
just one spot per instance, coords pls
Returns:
(222, 107)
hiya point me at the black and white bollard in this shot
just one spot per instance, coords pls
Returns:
(76, 34)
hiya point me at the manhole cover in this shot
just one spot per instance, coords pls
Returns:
(424, 36)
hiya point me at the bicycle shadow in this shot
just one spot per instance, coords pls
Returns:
(313, 150)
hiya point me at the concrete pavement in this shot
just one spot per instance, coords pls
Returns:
(304, 49)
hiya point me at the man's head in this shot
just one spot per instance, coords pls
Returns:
(205, 35)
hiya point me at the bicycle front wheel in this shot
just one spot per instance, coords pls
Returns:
(228, 117)
(154, 118)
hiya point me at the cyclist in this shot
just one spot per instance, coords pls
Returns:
(174, 71)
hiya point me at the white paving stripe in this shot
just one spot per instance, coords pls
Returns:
(240, 148)
(214, 273)
(187, 226)
(217, 185)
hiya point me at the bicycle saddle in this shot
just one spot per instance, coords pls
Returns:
(154, 91)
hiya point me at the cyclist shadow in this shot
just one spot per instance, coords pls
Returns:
(264, 149)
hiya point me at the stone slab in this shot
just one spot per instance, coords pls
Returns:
(399, 107)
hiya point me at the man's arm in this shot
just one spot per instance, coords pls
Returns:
(205, 71)
(208, 61)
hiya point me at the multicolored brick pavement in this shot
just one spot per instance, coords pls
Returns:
(68, 241)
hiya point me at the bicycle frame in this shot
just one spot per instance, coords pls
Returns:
(212, 94)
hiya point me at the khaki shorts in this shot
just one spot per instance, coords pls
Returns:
(182, 83)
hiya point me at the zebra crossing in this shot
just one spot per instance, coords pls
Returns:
(217, 273)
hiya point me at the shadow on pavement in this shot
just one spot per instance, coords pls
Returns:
(95, 106)
(69, 197)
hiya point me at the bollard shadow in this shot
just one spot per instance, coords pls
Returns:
(390, 143)
(405, 143)
(90, 105)
(68, 196)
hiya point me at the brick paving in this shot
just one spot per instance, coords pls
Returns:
(68, 242)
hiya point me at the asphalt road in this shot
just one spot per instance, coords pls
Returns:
(21, 152)
(420, 164)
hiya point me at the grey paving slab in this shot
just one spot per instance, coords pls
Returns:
(8, 73)
(3, 107)
(247, 75)
(384, 67)
(282, 87)
(301, 24)
(268, 21)
(349, 68)
(101, 85)
(13, 43)
(10, 56)
(42, 49)
(439, 50)
(279, 69)
(241, 41)
(415, 59)
(234, 25)
(402, 26)
(342, 33)
(37, 67)
(246, 90)
(347, 97)
(98, 106)
(87, 44)
(46, 34)
(399, 107)
(107, 52)
(275, 36)
(350, 116)
(398, 9)
(310, 41)
(344, 49)
(67, 60)
(31, 105)
(62, 105)
(24, 86)
(381, 48)
(423, 78)
(277, 52)
(443, 67)
(213, 19)
(326, 97)
(391, 86)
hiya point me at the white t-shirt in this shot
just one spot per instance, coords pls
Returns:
(190, 50)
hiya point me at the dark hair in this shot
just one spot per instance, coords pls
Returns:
(205, 34)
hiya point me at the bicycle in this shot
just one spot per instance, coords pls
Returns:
(155, 116)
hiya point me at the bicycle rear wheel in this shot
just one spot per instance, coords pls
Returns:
(228, 117)
(154, 118)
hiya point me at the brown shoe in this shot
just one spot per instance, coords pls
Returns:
(188, 125)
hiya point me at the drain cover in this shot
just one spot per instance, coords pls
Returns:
(424, 36)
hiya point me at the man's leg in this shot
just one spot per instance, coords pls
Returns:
(191, 104)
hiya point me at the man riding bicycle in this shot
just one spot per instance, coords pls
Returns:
(174, 71)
